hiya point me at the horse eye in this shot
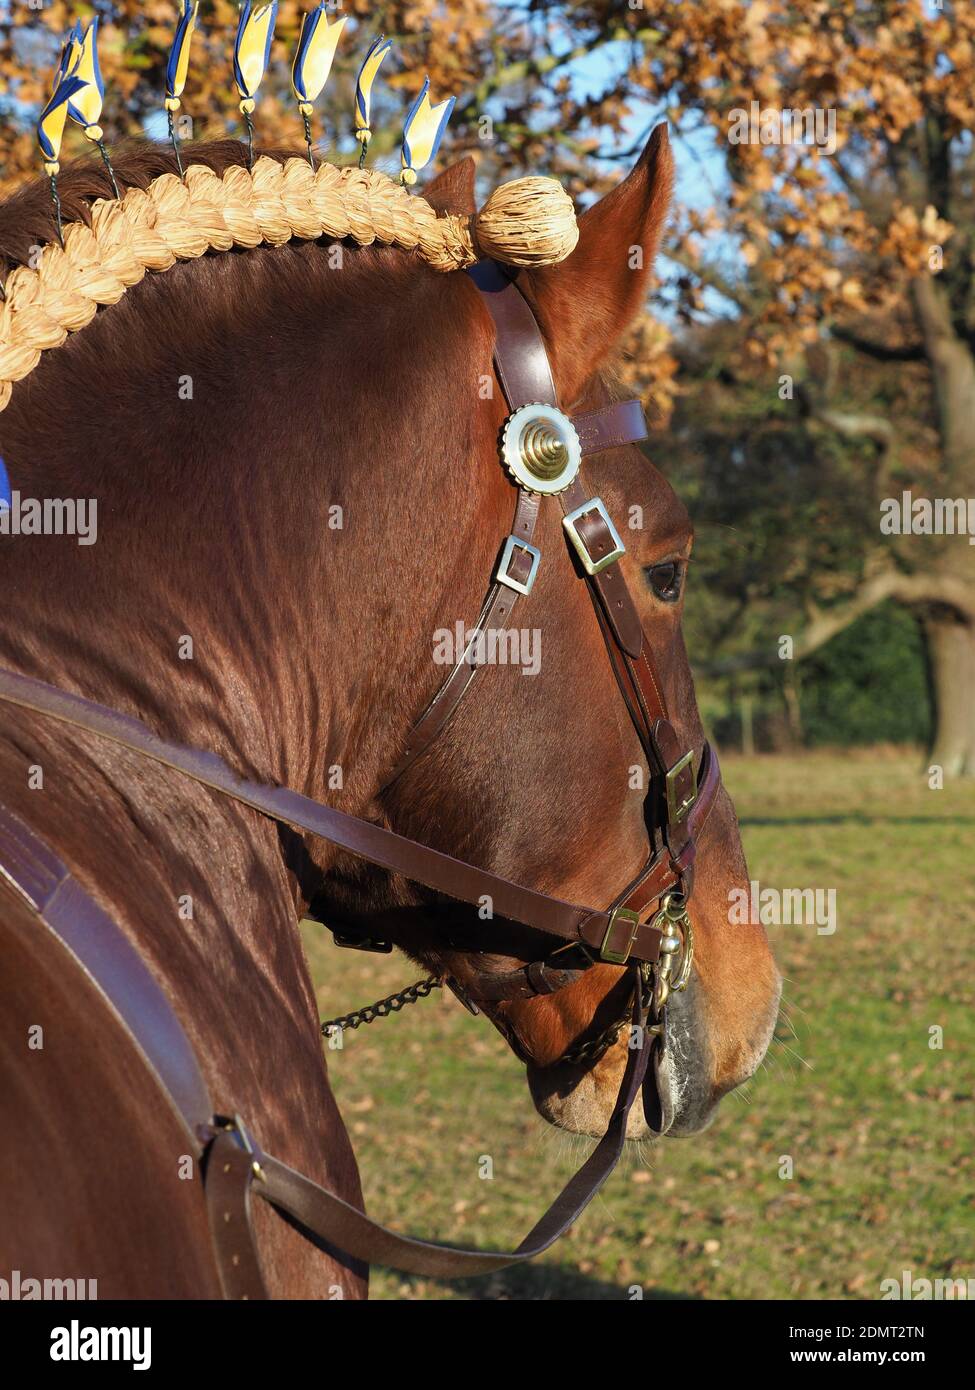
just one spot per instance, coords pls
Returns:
(666, 580)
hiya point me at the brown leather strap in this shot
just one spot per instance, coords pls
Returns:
(235, 1168)
(538, 977)
(494, 617)
(230, 1175)
(521, 362)
(520, 359)
(372, 842)
(97, 946)
(112, 964)
(609, 585)
(352, 1231)
(610, 426)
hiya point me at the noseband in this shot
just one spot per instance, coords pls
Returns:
(645, 929)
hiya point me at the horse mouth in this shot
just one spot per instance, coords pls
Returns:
(582, 1100)
(678, 1096)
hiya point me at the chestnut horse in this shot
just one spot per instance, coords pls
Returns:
(224, 415)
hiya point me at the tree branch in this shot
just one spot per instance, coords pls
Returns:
(880, 352)
(853, 426)
(911, 590)
(525, 68)
(709, 276)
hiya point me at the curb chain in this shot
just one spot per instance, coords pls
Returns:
(382, 1007)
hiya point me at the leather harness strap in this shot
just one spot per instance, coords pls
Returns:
(235, 1168)
(375, 843)
(525, 374)
(520, 359)
(494, 616)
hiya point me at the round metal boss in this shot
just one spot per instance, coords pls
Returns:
(541, 449)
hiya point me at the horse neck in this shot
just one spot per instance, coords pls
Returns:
(274, 550)
(267, 465)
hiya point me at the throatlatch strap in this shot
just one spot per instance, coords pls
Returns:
(495, 616)
(521, 362)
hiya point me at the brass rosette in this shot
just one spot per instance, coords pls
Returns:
(540, 449)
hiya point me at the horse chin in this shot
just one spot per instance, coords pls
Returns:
(583, 1102)
(678, 1099)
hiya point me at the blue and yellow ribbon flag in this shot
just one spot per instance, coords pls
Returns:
(252, 49)
(50, 123)
(363, 89)
(313, 60)
(85, 106)
(179, 54)
(422, 133)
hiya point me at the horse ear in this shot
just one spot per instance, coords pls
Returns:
(453, 190)
(586, 303)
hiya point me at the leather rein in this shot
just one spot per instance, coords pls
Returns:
(542, 449)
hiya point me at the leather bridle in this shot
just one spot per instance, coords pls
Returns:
(542, 447)
(679, 804)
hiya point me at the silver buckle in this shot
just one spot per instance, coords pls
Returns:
(591, 566)
(503, 577)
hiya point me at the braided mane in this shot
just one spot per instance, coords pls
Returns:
(115, 242)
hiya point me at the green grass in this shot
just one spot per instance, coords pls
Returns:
(878, 1125)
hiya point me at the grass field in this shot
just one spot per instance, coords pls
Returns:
(878, 1124)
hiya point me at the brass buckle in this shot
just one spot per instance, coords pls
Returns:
(627, 915)
(676, 812)
(591, 566)
(503, 577)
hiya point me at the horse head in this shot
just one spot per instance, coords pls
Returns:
(538, 774)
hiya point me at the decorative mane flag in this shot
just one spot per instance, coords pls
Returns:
(363, 91)
(313, 63)
(422, 132)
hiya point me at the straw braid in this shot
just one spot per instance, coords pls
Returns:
(174, 220)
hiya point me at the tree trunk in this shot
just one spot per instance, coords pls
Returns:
(950, 632)
(793, 710)
(747, 726)
(951, 657)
